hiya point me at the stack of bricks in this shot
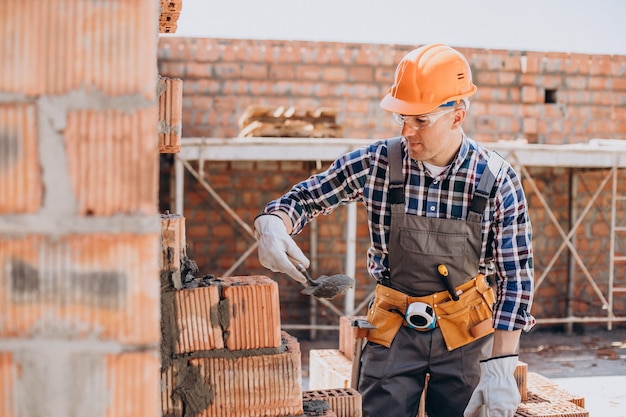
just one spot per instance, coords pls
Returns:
(264, 121)
(332, 369)
(79, 232)
(223, 352)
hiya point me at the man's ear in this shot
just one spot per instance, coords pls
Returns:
(458, 117)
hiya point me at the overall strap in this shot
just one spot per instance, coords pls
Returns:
(396, 179)
(482, 192)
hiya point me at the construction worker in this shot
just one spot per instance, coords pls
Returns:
(450, 249)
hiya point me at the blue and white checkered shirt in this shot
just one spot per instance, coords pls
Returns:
(361, 175)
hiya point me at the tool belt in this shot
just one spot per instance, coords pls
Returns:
(461, 321)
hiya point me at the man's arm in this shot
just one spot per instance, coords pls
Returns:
(285, 217)
(505, 342)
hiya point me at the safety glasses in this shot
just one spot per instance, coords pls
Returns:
(420, 121)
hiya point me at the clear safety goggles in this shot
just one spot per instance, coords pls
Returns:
(421, 121)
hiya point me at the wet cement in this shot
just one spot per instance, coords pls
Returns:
(329, 286)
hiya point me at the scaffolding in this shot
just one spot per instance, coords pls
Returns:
(606, 154)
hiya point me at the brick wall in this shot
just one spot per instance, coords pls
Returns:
(551, 98)
(79, 227)
(223, 76)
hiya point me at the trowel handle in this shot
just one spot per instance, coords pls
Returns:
(309, 280)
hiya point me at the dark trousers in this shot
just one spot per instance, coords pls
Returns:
(392, 379)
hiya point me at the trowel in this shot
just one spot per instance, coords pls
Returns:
(325, 286)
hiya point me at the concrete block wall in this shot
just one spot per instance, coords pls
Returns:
(79, 226)
(551, 98)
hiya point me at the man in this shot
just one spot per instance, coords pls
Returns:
(444, 213)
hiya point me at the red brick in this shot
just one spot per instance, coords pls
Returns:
(254, 312)
(195, 70)
(260, 385)
(9, 372)
(170, 114)
(87, 37)
(101, 285)
(227, 70)
(334, 74)
(112, 161)
(347, 335)
(531, 95)
(173, 249)
(308, 72)
(171, 404)
(239, 313)
(197, 320)
(329, 368)
(21, 189)
(539, 384)
(345, 402)
(521, 378)
(131, 388)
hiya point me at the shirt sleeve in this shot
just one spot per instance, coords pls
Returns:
(513, 255)
(342, 182)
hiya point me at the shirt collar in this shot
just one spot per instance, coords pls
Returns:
(461, 155)
(456, 163)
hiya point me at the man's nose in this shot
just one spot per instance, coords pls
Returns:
(408, 130)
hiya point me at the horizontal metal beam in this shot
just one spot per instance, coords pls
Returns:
(574, 319)
(598, 153)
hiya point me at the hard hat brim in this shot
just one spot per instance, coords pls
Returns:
(394, 105)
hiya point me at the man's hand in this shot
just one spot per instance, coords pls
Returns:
(497, 389)
(276, 247)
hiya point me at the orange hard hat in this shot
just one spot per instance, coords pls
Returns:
(428, 77)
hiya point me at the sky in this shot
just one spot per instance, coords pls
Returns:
(578, 26)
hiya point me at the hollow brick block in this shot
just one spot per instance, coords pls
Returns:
(113, 161)
(236, 313)
(540, 406)
(100, 285)
(347, 335)
(170, 12)
(345, 402)
(521, 378)
(198, 325)
(56, 46)
(173, 249)
(21, 189)
(253, 312)
(539, 384)
(171, 405)
(170, 91)
(131, 388)
(329, 368)
(253, 386)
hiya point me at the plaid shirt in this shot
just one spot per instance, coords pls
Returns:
(361, 175)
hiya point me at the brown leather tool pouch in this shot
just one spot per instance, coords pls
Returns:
(468, 318)
(386, 315)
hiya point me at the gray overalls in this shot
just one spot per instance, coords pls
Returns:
(392, 379)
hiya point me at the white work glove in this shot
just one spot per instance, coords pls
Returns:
(277, 250)
(497, 389)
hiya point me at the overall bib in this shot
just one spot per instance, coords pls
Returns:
(392, 378)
